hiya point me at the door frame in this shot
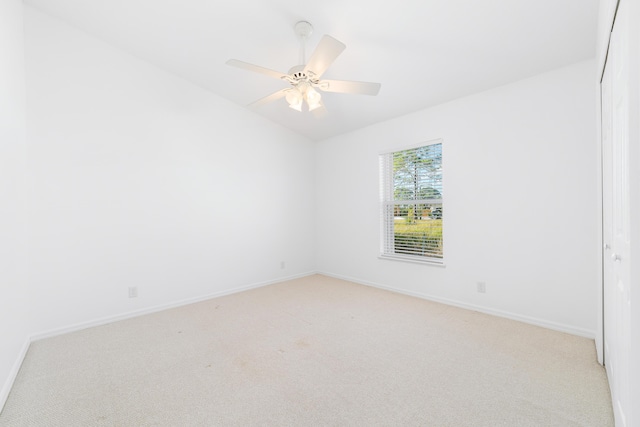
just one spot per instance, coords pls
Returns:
(602, 63)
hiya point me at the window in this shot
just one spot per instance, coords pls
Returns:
(411, 203)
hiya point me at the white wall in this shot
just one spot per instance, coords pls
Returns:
(520, 206)
(140, 178)
(14, 321)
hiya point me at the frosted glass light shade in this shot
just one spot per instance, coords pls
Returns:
(313, 99)
(297, 107)
(294, 98)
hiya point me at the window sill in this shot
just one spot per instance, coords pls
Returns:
(414, 260)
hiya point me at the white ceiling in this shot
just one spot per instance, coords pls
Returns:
(424, 52)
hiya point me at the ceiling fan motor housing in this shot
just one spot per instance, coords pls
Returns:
(299, 75)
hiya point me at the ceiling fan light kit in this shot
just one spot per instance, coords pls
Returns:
(300, 92)
(305, 79)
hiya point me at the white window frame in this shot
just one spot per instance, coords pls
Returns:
(388, 203)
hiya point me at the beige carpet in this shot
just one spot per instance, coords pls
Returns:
(315, 351)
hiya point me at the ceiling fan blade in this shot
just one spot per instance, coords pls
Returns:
(345, 86)
(255, 68)
(326, 52)
(269, 98)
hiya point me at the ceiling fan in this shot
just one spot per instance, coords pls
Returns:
(305, 79)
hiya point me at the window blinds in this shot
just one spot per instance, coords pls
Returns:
(411, 203)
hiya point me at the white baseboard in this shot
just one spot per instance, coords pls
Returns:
(155, 309)
(8, 384)
(586, 333)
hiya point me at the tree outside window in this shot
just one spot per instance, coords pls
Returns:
(412, 213)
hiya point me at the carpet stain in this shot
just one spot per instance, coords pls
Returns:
(248, 366)
(302, 343)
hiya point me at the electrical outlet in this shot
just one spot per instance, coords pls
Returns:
(133, 291)
(282, 265)
(482, 287)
